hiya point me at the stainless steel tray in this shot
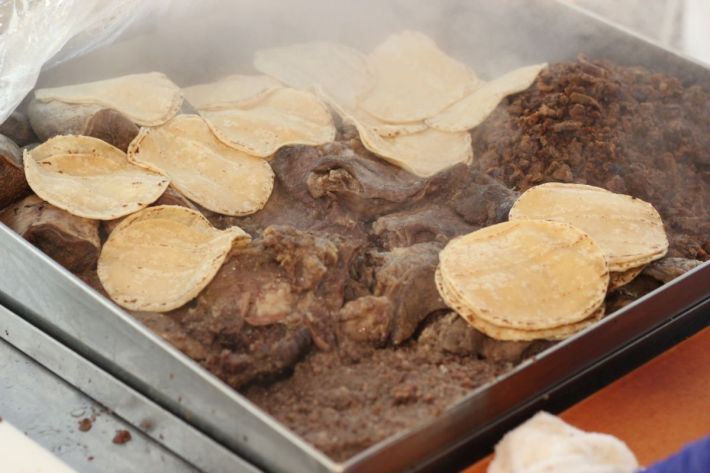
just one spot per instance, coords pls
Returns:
(45, 388)
(493, 37)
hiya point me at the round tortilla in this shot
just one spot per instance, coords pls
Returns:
(148, 99)
(234, 90)
(414, 79)
(503, 333)
(340, 71)
(202, 168)
(283, 117)
(90, 178)
(527, 275)
(424, 153)
(628, 230)
(618, 279)
(472, 110)
(162, 257)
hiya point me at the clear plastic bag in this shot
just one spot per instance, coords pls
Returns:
(36, 34)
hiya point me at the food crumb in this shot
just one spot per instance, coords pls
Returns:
(90, 458)
(121, 437)
(85, 424)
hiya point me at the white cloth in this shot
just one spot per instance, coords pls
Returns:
(20, 454)
(546, 444)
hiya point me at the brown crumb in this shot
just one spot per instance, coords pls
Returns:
(121, 437)
(90, 458)
(85, 424)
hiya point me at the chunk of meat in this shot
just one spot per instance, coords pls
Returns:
(639, 287)
(483, 201)
(430, 223)
(367, 320)
(668, 268)
(54, 118)
(70, 240)
(113, 127)
(13, 185)
(503, 351)
(17, 128)
(452, 334)
(266, 306)
(405, 277)
(347, 177)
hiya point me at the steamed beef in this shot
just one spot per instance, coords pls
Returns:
(345, 176)
(17, 128)
(483, 201)
(366, 319)
(399, 293)
(70, 240)
(265, 307)
(113, 127)
(406, 278)
(429, 223)
(452, 334)
(13, 185)
(54, 118)
(622, 128)
(667, 269)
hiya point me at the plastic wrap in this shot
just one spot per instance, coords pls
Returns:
(36, 34)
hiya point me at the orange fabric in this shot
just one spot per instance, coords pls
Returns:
(656, 409)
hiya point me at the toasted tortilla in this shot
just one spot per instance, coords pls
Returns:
(283, 117)
(90, 178)
(526, 275)
(234, 90)
(162, 257)
(618, 279)
(473, 109)
(148, 99)
(205, 170)
(414, 79)
(629, 230)
(423, 154)
(509, 334)
(340, 71)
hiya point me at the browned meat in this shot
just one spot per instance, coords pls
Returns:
(344, 176)
(625, 295)
(72, 241)
(265, 306)
(500, 351)
(343, 406)
(13, 185)
(54, 118)
(406, 278)
(430, 223)
(367, 319)
(113, 127)
(667, 269)
(622, 128)
(452, 334)
(483, 201)
(17, 128)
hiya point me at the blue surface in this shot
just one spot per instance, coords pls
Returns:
(694, 458)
